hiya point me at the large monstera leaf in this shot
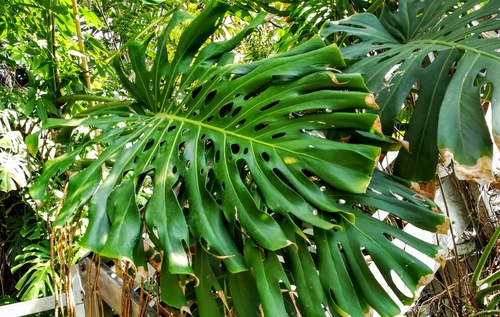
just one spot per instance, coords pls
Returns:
(242, 173)
(445, 51)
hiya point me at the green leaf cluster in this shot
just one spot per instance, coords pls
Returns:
(252, 166)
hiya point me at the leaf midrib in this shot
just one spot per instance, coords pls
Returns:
(455, 45)
(233, 134)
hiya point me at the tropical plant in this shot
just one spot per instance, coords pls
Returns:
(25, 251)
(445, 53)
(25, 263)
(37, 39)
(14, 160)
(33, 258)
(244, 175)
(38, 278)
(37, 54)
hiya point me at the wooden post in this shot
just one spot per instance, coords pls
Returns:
(110, 290)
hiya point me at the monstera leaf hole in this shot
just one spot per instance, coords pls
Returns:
(479, 81)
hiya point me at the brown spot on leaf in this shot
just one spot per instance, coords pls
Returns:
(496, 184)
(370, 101)
(223, 257)
(334, 79)
(345, 139)
(405, 144)
(142, 272)
(222, 296)
(293, 244)
(426, 189)
(444, 227)
(186, 309)
(481, 172)
(269, 17)
(292, 298)
(496, 139)
(445, 156)
(424, 280)
(419, 197)
(197, 280)
(377, 125)
(441, 258)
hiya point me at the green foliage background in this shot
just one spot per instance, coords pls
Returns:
(251, 142)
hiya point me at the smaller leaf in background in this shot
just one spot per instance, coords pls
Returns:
(442, 50)
(486, 289)
(14, 161)
(30, 104)
(14, 171)
(37, 281)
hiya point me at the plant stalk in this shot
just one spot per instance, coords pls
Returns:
(84, 64)
(81, 97)
(482, 261)
(486, 313)
(375, 6)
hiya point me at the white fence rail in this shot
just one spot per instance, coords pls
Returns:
(110, 290)
(31, 307)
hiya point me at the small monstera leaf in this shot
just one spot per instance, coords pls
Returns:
(446, 51)
(14, 164)
(239, 164)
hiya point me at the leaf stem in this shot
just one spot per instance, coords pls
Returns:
(375, 6)
(85, 66)
(480, 296)
(485, 313)
(349, 8)
(482, 261)
(82, 97)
